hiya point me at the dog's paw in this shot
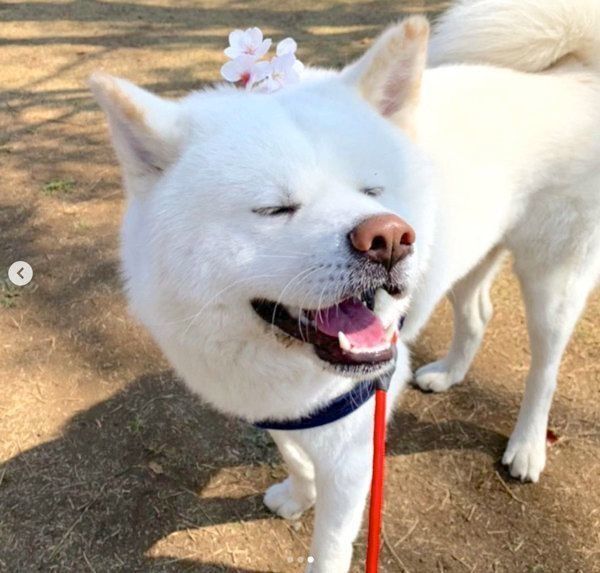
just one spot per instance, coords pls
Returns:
(284, 500)
(525, 457)
(435, 377)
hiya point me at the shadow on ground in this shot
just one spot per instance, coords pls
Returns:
(123, 475)
(130, 471)
(91, 34)
(100, 488)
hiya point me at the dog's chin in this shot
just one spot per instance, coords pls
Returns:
(334, 351)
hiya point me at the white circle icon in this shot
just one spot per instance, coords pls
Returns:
(20, 273)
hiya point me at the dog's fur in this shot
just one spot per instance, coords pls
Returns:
(478, 159)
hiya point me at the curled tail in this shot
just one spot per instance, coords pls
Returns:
(526, 35)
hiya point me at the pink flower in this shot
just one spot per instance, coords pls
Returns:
(246, 48)
(245, 70)
(284, 70)
(249, 42)
(287, 46)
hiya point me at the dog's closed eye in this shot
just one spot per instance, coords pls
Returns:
(277, 210)
(372, 191)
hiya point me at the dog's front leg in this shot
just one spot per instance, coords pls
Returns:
(291, 497)
(342, 457)
(341, 494)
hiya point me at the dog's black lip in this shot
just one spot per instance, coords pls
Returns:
(395, 290)
(326, 347)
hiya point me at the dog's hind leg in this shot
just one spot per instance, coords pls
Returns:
(554, 297)
(297, 492)
(470, 298)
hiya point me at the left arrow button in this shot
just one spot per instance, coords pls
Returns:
(20, 273)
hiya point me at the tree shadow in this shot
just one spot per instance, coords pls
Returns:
(130, 471)
(123, 475)
(328, 35)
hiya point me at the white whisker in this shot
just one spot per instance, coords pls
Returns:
(307, 273)
(213, 298)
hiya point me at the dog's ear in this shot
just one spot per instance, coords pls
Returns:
(146, 129)
(389, 74)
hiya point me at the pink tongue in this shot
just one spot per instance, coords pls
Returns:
(362, 328)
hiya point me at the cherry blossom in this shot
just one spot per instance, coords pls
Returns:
(283, 71)
(287, 46)
(246, 70)
(248, 42)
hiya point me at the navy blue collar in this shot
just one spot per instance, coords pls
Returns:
(339, 408)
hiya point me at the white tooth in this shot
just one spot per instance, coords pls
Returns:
(384, 307)
(370, 350)
(343, 341)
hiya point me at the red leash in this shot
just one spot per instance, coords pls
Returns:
(376, 504)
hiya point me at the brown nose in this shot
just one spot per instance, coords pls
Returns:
(385, 239)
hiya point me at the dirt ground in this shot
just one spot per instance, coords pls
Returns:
(107, 464)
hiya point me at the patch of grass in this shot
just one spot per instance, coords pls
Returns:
(4, 144)
(58, 187)
(8, 294)
(81, 226)
(136, 425)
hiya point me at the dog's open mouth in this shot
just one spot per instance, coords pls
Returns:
(357, 331)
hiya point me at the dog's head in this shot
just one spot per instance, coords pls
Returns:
(280, 234)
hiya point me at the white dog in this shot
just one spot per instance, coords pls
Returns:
(519, 155)
(269, 240)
